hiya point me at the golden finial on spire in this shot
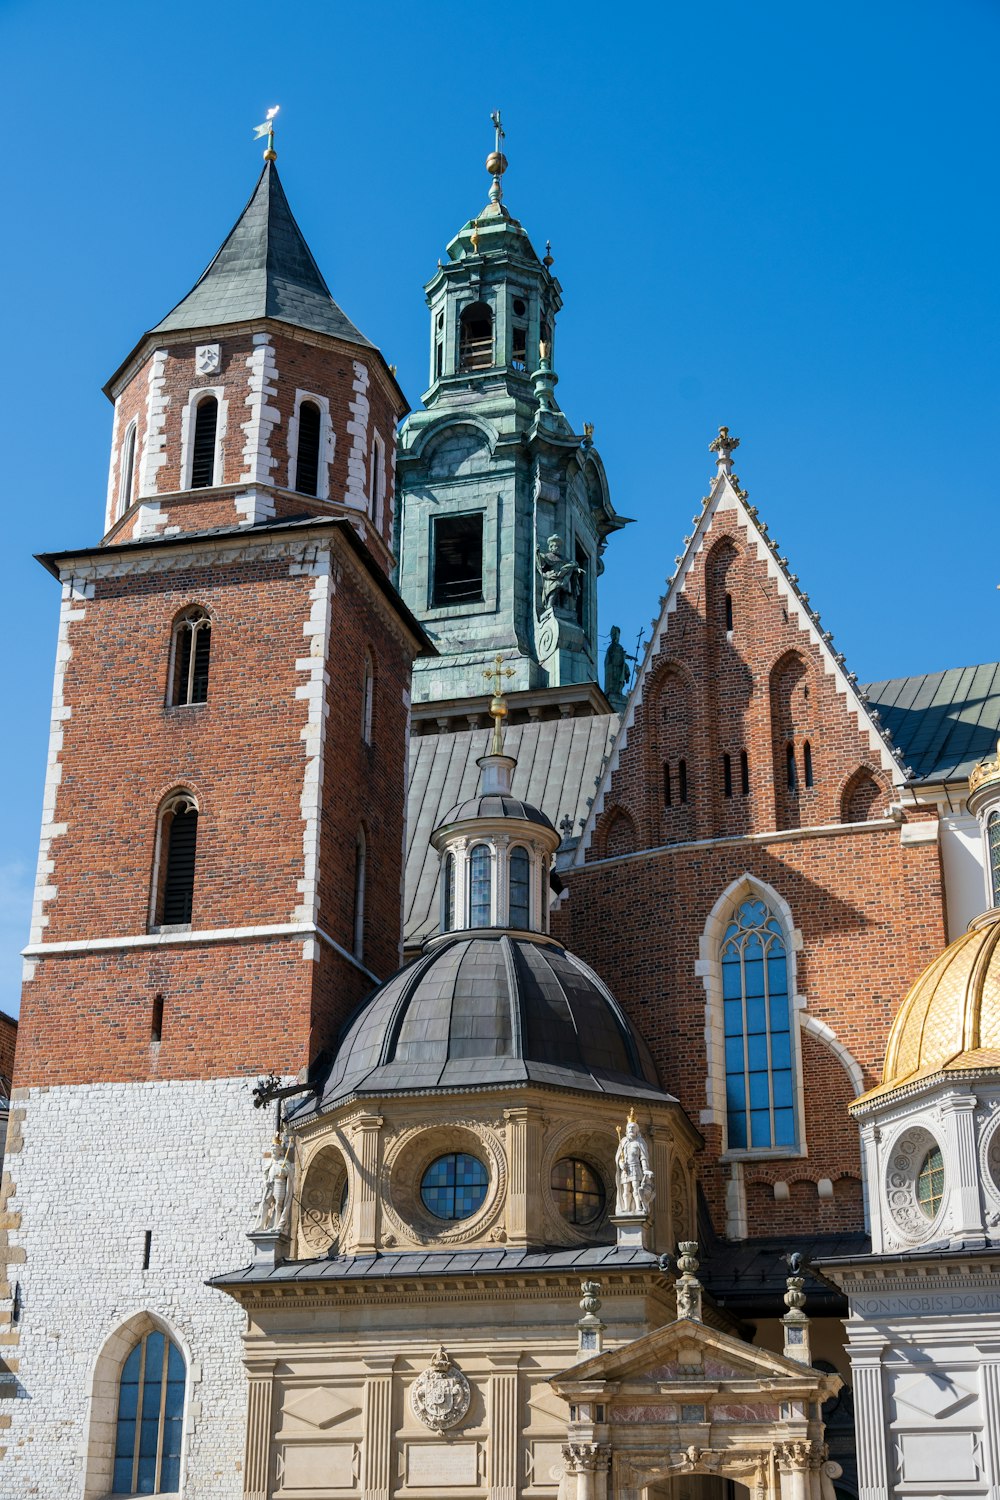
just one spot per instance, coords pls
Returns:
(498, 708)
(259, 131)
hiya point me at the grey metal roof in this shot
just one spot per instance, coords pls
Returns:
(444, 1263)
(558, 763)
(944, 722)
(498, 805)
(264, 269)
(483, 1008)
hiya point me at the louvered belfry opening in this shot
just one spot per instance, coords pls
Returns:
(307, 459)
(192, 650)
(203, 450)
(180, 838)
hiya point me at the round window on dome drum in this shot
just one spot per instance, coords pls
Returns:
(930, 1182)
(454, 1186)
(578, 1191)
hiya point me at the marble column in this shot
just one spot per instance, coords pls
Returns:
(869, 1426)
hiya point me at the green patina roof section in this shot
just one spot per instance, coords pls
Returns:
(944, 722)
(264, 269)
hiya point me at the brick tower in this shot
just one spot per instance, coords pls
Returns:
(220, 864)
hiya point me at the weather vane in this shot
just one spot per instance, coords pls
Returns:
(494, 676)
(496, 162)
(259, 131)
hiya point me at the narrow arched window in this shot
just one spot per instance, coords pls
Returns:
(178, 848)
(448, 893)
(744, 773)
(192, 649)
(519, 887)
(360, 862)
(993, 839)
(127, 470)
(729, 612)
(727, 776)
(367, 700)
(475, 348)
(378, 481)
(307, 454)
(791, 774)
(150, 1419)
(206, 421)
(759, 1104)
(480, 886)
(807, 763)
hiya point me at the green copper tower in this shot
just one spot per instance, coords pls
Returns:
(504, 510)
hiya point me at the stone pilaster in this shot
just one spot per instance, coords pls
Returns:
(524, 1156)
(367, 1149)
(665, 1230)
(870, 1136)
(991, 1424)
(258, 1443)
(504, 1428)
(964, 1219)
(869, 1426)
(376, 1455)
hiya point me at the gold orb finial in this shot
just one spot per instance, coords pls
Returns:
(496, 164)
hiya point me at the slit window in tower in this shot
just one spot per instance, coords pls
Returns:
(807, 763)
(583, 563)
(156, 1023)
(206, 420)
(480, 886)
(180, 835)
(519, 904)
(307, 456)
(729, 612)
(744, 773)
(458, 560)
(476, 338)
(727, 776)
(128, 470)
(791, 775)
(682, 781)
(667, 789)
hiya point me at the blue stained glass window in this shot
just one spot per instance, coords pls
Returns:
(520, 890)
(454, 1186)
(150, 1418)
(759, 1091)
(480, 882)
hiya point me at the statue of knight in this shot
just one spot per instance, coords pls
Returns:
(277, 1164)
(633, 1171)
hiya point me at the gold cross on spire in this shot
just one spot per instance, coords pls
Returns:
(494, 676)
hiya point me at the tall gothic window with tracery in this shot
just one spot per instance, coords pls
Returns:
(760, 1111)
(150, 1419)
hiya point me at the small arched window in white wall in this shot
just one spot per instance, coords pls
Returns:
(127, 480)
(360, 872)
(368, 700)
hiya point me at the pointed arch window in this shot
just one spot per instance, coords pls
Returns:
(307, 454)
(192, 647)
(206, 421)
(127, 469)
(150, 1419)
(760, 1111)
(360, 872)
(519, 888)
(475, 347)
(480, 886)
(178, 850)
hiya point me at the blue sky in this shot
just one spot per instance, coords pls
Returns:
(779, 216)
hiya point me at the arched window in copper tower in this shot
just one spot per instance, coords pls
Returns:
(475, 345)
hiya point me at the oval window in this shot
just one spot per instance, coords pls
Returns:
(578, 1191)
(454, 1186)
(930, 1182)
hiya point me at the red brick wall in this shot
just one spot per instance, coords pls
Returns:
(248, 1005)
(8, 1042)
(325, 368)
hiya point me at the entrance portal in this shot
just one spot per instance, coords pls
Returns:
(697, 1487)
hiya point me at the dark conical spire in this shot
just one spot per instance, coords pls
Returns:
(264, 269)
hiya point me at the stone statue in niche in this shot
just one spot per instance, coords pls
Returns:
(562, 580)
(277, 1166)
(440, 1396)
(633, 1171)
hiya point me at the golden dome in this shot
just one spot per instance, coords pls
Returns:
(950, 1020)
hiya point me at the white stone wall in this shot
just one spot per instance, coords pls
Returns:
(100, 1165)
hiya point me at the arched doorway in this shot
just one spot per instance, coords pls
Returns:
(697, 1487)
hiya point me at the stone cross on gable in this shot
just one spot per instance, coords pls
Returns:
(723, 447)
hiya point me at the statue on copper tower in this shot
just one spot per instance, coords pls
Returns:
(276, 1192)
(561, 579)
(633, 1171)
(615, 668)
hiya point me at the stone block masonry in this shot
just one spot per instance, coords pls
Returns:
(94, 1169)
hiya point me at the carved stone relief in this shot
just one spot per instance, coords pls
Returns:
(322, 1197)
(406, 1160)
(903, 1162)
(440, 1396)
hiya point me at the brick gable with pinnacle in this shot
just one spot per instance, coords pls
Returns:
(862, 890)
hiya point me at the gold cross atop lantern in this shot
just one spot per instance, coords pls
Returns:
(498, 708)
